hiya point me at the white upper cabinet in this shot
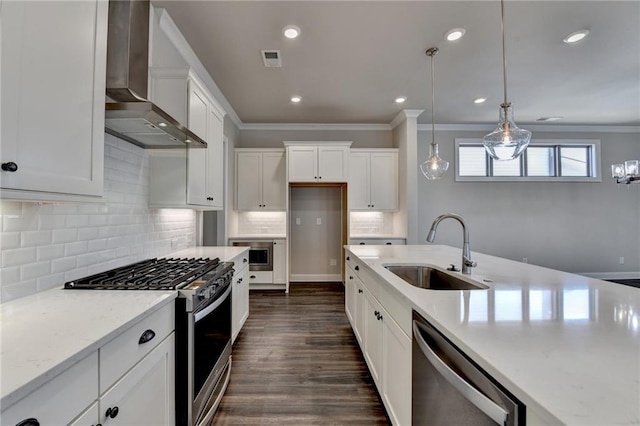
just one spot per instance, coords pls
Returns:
(53, 95)
(191, 178)
(373, 179)
(260, 180)
(318, 161)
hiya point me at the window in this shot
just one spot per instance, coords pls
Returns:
(543, 160)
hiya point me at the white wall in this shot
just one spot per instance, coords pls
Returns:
(575, 227)
(45, 245)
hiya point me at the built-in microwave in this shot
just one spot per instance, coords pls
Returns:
(260, 254)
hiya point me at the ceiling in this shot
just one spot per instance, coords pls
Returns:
(354, 58)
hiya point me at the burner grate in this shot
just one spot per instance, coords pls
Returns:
(151, 274)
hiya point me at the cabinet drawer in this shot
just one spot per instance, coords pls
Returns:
(61, 399)
(241, 262)
(123, 352)
(378, 241)
(261, 277)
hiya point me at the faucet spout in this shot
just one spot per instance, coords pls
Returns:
(467, 263)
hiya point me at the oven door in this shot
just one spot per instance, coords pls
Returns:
(211, 356)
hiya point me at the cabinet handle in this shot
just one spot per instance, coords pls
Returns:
(112, 412)
(11, 167)
(388, 243)
(379, 317)
(147, 336)
(359, 290)
(30, 421)
(239, 280)
(244, 260)
(253, 277)
(362, 243)
(357, 268)
(350, 277)
(347, 257)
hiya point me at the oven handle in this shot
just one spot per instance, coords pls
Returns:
(197, 316)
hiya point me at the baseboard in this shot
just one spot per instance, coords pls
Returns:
(305, 278)
(612, 275)
(269, 286)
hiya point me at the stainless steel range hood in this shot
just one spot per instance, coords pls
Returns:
(128, 113)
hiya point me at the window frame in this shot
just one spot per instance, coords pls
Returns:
(593, 155)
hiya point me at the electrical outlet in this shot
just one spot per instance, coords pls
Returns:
(318, 221)
(525, 260)
(297, 221)
(621, 260)
(333, 262)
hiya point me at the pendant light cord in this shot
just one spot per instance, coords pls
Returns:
(504, 53)
(433, 102)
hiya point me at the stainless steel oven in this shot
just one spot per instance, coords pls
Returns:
(203, 325)
(260, 254)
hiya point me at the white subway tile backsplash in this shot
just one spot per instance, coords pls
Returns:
(63, 264)
(17, 257)
(43, 246)
(9, 240)
(256, 223)
(35, 270)
(36, 238)
(64, 235)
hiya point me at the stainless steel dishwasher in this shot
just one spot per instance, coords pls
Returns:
(448, 388)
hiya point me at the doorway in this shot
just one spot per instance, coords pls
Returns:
(318, 232)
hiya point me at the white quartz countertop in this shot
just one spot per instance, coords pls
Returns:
(259, 237)
(568, 346)
(44, 334)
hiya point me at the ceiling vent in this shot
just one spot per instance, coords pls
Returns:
(271, 58)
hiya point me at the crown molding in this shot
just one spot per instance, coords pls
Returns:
(532, 127)
(314, 126)
(404, 115)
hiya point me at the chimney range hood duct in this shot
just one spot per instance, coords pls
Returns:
(128, 113)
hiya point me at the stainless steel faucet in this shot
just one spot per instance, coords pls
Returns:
(467, 263)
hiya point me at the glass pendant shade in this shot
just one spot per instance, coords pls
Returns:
(507, 141)
(434, 167)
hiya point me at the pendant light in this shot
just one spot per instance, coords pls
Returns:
(435, 166)
(507, 141)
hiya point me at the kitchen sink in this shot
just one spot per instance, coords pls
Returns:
(430, 278)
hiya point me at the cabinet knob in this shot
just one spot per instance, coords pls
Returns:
(376, 313)
(357, 268)
(112, 412)
(244, 260)
(359, 290)
(350, 277)
(10, 167)
(147, 336)
(31, 421)
(348, 258)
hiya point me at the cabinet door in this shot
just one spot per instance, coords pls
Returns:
(197, 157)
(215, 159)
(384, 181)
(145, 395)
(359, 311)
(53, 95)
(239, 301)
(359, 184)
(303, 163)
(333, 164)
(90, 417)
(248, 181)
(373, 337)
(350, 297)
(279, 262)
(396, 371)
(273, 181)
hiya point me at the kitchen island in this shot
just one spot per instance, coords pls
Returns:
(567, 346)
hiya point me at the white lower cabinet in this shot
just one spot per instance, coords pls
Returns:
(240, 294)
(129, 380)
(145, 395)
(384, 344)
(279, 261)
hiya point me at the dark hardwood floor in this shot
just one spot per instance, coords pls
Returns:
(296, 362)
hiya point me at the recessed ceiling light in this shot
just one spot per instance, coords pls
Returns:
(401, 99)
(576, 36)
(455, 34)
(296, 99)
(291, 31)
(479, 100)
(162, 124)
(549, 119)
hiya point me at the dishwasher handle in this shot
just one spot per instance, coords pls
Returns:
(484, 404)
